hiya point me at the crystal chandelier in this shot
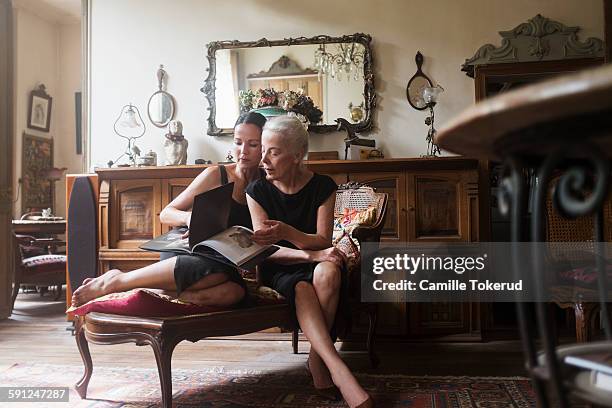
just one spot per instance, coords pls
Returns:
(348, 61)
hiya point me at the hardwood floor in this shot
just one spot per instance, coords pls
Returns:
(37, 332)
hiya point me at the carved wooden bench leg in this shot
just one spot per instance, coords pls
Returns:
(163, 349)
(373, 315)
(81, 385)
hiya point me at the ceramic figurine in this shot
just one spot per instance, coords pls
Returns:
(175, 145)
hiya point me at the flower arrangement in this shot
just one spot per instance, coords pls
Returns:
(296, 103)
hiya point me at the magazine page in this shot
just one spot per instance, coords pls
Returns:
(171, 241)
(235, 244)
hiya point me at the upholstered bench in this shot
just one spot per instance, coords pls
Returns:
(269, 310)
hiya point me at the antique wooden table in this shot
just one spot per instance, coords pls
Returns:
(561, 126)
(39, 227)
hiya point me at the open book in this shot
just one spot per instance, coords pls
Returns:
(209, 235)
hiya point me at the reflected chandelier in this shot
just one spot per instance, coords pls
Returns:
(348, 61)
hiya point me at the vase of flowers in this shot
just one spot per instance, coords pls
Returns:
(271, 103)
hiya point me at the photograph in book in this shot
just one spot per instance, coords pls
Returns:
(235, 244)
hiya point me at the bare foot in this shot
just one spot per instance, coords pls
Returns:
(319, 372)
(94, 288)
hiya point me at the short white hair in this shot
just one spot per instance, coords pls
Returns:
(292, 131)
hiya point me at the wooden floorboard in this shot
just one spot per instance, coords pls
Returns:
(36, 333)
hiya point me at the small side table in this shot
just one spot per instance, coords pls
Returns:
(561, 124)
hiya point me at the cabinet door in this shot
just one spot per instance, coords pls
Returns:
(135, 206)
(457, 320)
(171, 188)
(438, 208)
(394, 184)
(443, 207)
(391, 316)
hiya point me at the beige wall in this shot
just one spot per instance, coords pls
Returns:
(49, 53)
(130, 38)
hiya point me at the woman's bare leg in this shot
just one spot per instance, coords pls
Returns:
(225, 294)
(313, 324)
(159, 275)
(326, 283)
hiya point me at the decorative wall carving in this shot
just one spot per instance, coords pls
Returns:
(539, 39)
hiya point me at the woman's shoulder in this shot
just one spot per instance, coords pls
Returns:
(209, 178)
(324, 181)
(258, 185)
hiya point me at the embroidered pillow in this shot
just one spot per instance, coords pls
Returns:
(141, 303)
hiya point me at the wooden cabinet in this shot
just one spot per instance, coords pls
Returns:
(135, 212)
(394, 184)
(430, 200)
(171, 188)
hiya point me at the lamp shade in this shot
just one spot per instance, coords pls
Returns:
(129, 123)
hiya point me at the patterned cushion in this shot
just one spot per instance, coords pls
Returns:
(584, 277)
(141, 303)
(44, 263)
(351, 219)
(350, 248)
(344, 226)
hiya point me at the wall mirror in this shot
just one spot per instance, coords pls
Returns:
(161, 104)
(335, 72)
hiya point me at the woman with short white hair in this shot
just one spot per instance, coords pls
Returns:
(294, 208)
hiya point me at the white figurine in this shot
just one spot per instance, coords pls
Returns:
(175, 145)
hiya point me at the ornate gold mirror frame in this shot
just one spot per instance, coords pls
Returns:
(369, 93)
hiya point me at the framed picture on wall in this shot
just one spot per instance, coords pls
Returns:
(39, 109)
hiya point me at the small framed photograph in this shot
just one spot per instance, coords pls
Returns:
(39, 111)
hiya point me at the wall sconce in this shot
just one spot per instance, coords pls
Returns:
(129, 127)
(430, 96)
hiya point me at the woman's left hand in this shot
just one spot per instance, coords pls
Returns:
(273, 232)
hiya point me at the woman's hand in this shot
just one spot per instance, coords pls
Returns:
(331, 254)
(272, 232)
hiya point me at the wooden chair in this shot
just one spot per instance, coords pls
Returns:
(163, 334)
(580, 231)
(37, 265)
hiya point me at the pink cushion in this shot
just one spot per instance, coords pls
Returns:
(141, 303)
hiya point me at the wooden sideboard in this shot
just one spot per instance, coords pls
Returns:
(429, 200)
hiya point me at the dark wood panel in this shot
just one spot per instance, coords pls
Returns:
(392, 183)
(135, 209)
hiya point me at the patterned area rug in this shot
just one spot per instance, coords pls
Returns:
(218, 387)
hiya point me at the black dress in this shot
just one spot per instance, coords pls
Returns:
(191, 268)
(300, 211)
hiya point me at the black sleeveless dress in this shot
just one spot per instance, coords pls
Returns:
(191, 268)
(300, 211)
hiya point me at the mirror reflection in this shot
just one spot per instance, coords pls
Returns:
(330, 74)
(161, 108)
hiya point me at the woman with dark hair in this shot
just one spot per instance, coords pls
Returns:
(192, 278)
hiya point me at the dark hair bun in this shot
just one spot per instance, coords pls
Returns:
(253, 118)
